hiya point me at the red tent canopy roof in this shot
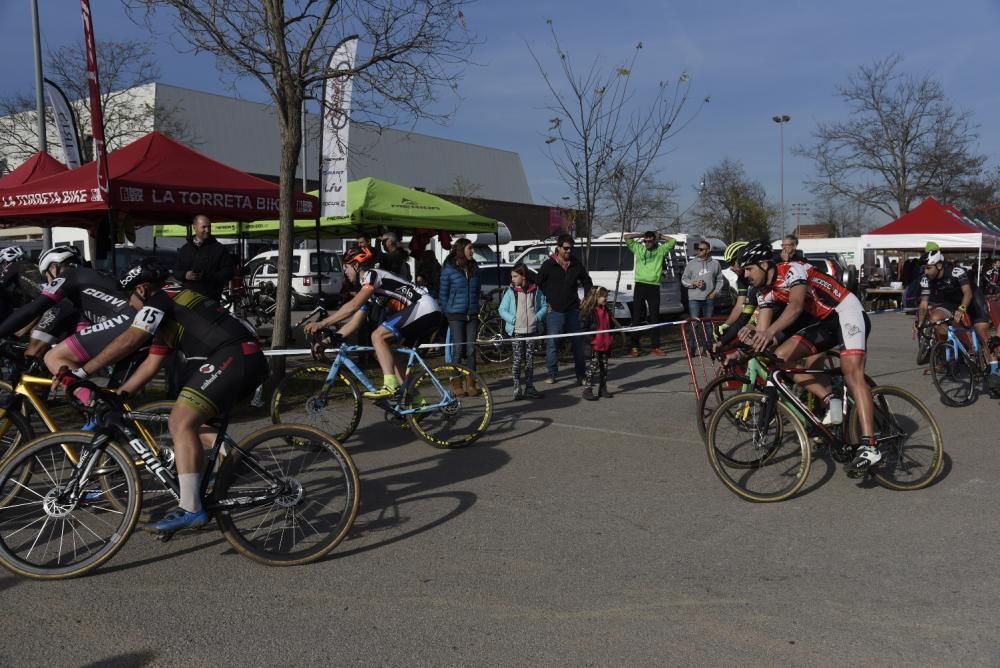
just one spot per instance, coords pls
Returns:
(37, 166)
(931, 217)
(153, 179)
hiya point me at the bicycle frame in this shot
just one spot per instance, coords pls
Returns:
(956, 349)
(343, 360)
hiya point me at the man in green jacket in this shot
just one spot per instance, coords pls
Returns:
(649, 256)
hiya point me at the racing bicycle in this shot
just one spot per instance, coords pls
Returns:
(958, 373)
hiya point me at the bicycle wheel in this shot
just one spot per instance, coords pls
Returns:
(300, 399)
(714, 393)
(491, 338)
(15, 432)
(757, 458)
(952, 374)
(924, 345)
(316, 507)
(448, 421)
(47, 537)
(908, 436)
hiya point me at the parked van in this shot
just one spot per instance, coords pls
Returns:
(312, 271)
(607, 254)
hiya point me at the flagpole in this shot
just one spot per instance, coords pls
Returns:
(40, 103)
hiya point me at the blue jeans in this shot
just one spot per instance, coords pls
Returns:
(702, 308)
(564, 323)
(463, 341)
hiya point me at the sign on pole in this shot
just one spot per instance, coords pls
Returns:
(336, 124)
(96, 113)
(65, 125)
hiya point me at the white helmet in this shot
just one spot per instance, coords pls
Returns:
(11, 254)
(933, 257)
(58, 255)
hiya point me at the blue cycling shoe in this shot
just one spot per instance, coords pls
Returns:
(91, 425)
(177, 520)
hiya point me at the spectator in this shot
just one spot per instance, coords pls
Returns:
(703, 279)
(203, 264)
(560, 278)
(594, 317)
(393, 257)
(649, 256)
(428, 272)
(459, 300)
(991, 281)
(875, 279)
(790, 249)
(523, 307)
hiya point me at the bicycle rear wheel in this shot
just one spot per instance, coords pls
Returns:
(449, 421)
(714, 393)
(46, 537)
(908, 436)
(300, 399)
(317, 504)
(759, 454)
(953, 374)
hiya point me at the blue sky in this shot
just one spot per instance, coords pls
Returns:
(755, 59)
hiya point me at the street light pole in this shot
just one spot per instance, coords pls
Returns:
(39, 103)
(781, 120)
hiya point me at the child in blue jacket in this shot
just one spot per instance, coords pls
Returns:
(523, 309)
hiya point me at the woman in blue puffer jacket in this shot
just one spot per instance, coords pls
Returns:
(458, 297)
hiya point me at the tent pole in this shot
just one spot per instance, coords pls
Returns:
(319, 266)
(114, 237)
(979, 261)
(496, 239)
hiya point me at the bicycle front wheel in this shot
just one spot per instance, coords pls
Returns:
(952, 374)
(314, 509)
(908, 437)
(15, 432)
(46, 536)
(714, 393)
(446, 420)
(760, 453)
(301, 399)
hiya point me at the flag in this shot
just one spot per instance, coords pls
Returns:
(65, 125)
(336, 124)
(96, 114)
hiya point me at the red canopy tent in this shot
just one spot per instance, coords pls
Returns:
(152, 180)
(37, 166)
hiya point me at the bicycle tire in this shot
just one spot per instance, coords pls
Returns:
(767, 457)
(924, 345)
(462, 420)
(909, 462)
(492, 341)
(955, 378)
(297, 400)
(15, 433)
(713, 394)
(42, 454)
(287, 445)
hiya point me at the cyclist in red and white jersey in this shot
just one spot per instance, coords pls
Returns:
(838, 319)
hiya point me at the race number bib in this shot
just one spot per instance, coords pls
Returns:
(53, 290)
(148, 319)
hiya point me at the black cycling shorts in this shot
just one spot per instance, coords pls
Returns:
(823, 335)
(977, 310)
(228, 375)
(92, 340)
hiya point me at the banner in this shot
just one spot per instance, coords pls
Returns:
(336, 124)
(96, 114)
(65, 125)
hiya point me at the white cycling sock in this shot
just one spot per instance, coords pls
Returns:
(190, 496)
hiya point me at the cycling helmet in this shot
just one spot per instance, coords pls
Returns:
(357, 255)
(755, 252)
(11, 254)
(733, 249)
(146, 270)
(932, 257)
(58, 255)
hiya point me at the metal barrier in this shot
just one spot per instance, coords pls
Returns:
(697, 335)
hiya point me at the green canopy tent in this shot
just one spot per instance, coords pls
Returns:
(371, 204)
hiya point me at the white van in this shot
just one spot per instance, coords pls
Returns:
(311, 271)
(606, 256)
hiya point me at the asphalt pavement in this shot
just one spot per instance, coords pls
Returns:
(573, 533)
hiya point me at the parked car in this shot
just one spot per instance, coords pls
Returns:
(833, 264)
(313, 271)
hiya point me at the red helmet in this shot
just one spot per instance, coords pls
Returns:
(359, 256)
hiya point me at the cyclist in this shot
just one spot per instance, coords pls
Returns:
(991, 282)
(20, 280)
(948, 286)
(838, 318)
(411, 315)
(176, 318)
(741, 311)
(79, 295)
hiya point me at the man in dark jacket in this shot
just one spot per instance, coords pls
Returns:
(560, 278)
(203, 264)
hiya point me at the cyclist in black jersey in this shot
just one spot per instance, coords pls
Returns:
(411, 315)
(233, 366)
(949, 286)
(20, 283)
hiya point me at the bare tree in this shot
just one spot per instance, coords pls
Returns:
(731, 206)
(904, 141)
(652, 206)
(845, 218)
(598, 135)
(408, 50)
(978, 196)
(124, 66)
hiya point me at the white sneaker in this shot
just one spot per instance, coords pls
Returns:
(866, 457)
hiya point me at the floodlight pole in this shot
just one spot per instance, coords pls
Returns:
(40, 103)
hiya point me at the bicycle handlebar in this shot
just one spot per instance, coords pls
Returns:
(318, 311)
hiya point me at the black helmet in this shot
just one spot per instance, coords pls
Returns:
(146, 270)
(756, 252)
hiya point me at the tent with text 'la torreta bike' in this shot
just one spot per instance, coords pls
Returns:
(371, 204)
(37, 166)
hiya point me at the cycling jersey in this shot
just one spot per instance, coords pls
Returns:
(96, 296)
(823, 292)
(946, 291)
(391, 291)
(188, 321)
(20, 283)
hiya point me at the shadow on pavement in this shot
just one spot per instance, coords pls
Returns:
(127, 659)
